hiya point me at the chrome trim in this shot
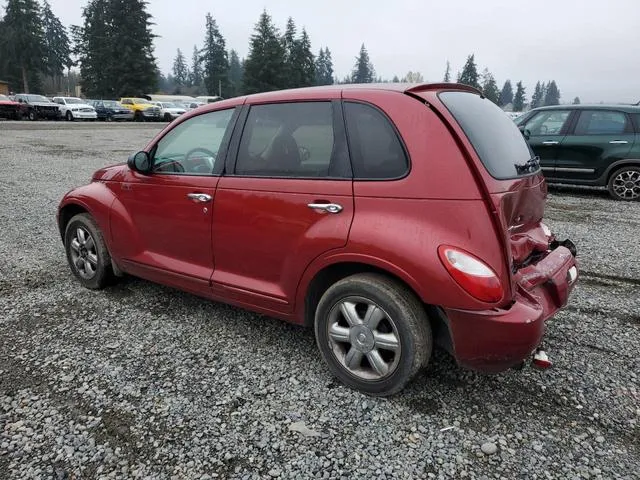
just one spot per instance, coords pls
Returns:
(551, 142)
(200, 197)
(327, 207)
(547, 169)
(618, 142)
(576, 170)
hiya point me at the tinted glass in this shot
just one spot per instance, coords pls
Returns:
(192, 147)
(376, 150)
(495, 137)
(287, 140)
(601, 122)
(547, 122)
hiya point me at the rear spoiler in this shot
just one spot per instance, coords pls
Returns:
(442, 86)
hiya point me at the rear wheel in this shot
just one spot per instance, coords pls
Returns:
(167, 117)
(87, 252)
(33, 116)
(69, 116)
(138, 117)
(373, 333)
(624, 184)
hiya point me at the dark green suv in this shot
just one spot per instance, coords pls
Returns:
(587, 145)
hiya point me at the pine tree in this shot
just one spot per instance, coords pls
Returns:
(447, 73)
(303, 61)
(506, 95)
(57, 45)
(489, 87)
(180, 70)
(363, 71)
(519, 100)
(115, 49)
(235, 74)
(413, 77)
(321, 64)
(552, 94)
(469, 74)
(195, 75)
(576, 101)
(395, 79)
(264, 68)
(214, 59)
(537, 99)
(328, 68)
(23, 43)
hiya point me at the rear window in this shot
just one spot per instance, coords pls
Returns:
(495, 137)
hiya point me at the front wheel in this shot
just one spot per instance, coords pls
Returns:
(624, 184)
(373, 333)
(87, 252)
(69, 116)
(33, 116)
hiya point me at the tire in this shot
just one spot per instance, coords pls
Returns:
(109, 118)
(33, 116)
(138, 117)
(399, 316)
(90, 263)
(167, 117)
(624, 184)
(69, 116)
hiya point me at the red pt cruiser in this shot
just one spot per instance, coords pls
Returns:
(388, 217)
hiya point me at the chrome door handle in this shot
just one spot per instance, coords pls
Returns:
(618, 142)
(327, 207)
(200, 197)
(550, 142)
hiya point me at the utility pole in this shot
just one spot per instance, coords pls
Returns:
(220, 88)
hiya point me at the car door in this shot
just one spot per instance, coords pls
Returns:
(161, 222)
(546, 130)
(287, 198)
(600, 138)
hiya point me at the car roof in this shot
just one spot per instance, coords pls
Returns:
(597, 106)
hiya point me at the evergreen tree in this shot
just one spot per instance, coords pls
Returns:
(395, 79)
(506, 95)
(264, 68)
(321, 63)
(447, 73)
(57, 45)
(115, 49)
(413, 77)
(576, 101)
(552, 94)
(469, 74)
(302, 66)
(235, 74)
(328, 67)
(293, 72)
(180, 71)
(363, 71)
(537, 99)
(519, 100)
(23, 44)
(489, 87)
(214, 59)
(195, 75)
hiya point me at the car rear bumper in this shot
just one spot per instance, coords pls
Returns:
(497, 339)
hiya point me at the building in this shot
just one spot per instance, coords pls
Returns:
(4, 88)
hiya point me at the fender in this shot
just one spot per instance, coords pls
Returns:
(604, 178)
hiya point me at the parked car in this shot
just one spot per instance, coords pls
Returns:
(190, 105)
(595, 145)
(10, 108)
(368, 240)
(38, 106)
(143, 110)
(111, 110)
(73, 108)
(170, 111)
(209, 99)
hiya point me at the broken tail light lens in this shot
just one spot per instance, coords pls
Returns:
(472, 274)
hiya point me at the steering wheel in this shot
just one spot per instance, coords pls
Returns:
(305, 154)
(210, 159)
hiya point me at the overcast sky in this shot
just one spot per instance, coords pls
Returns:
(590, 47)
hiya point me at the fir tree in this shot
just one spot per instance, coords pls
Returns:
(195, 75)
(235, 74)
(328, 68)
(469, 74)
(264, 68)
(537, 99)
(447, 73)
(363, 71)
(489, 87)
(552, 94)
(180, 70)
(57, 45)
(301, 65)
(214, 59)
(576, 101)
(506, 95)
(519, 100)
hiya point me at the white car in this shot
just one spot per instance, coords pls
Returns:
(73, 108)
(170, 111)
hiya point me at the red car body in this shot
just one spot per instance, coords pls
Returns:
(259, 247)
(10, 109)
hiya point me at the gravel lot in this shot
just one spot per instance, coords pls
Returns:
(141, 381)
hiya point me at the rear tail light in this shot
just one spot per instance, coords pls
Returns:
(472, 274)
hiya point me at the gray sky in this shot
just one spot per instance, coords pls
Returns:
(589, 47)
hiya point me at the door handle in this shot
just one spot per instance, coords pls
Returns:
(327, 207)
(200, 197)
(550, 142)
(618, 142)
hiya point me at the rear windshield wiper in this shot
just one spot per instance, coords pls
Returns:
(531, 165)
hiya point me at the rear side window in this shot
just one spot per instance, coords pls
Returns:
(495, 137)
(548, 122)
(601, 122)
(376, 150)
(288, 140)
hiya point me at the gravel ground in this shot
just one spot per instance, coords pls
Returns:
(142, 381)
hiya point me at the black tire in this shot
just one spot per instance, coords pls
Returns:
(109, 118)
(138, 117)
(624, 184)
(403, 312)
(33, 115)
(167, 117)
(69, 116)
(102, 269)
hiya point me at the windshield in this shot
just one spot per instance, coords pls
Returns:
(168, 105)
(142, 101)
(111, 103)
(72, 100)
(495, 137)
(37, 98)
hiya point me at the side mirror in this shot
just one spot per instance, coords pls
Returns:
(525, 133)
(140, 162)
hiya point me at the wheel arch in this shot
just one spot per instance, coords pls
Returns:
(614, 167)
(66, 213)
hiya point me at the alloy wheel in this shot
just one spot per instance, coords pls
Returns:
(626, 185)
(363, 338)
(84, 255)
